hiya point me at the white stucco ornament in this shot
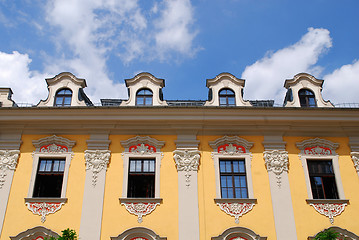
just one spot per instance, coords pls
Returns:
(355, 158)
(44, 208)
(141, 209)
(8, 161)
(236, 209)
(187, 160)
(96, 161)
(277, 162)
(329, 210)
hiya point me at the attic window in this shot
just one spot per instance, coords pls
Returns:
(63, 98)
(227, 97)
(307, 98)
(144, 97)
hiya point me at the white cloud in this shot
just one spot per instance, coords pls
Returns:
(265, 78)
(342, 85)
(27, 86)
(174, 27)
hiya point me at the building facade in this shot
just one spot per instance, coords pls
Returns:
(145, 168)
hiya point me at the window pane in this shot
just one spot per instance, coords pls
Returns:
(138, 166)
(223, 181)
(48, 166)
(132, 166)
(228, 167)
(42, 165)
(242, 168)
(222, 166)
(140, 101)
(243, 181)
(152, 166)
(244, 193)
(235, 166)
(236, 181)
(148, 101)
(62, 166)
(67, 101)
(146, 166)
(56, 166)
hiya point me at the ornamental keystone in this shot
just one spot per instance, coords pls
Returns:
(277, 162)
(187, 160)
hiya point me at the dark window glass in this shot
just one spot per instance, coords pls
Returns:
(233, 179)
(144, 97)
(227, 97)
(322, 179)
(63, 98)
(49, 178)
(307, 98)
(141, 178)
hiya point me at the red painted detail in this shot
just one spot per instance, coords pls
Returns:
(224, 146)
(318, 150)
(46, 148)
(39, 238)
(150, 148)
(138, 238)
(238, 237)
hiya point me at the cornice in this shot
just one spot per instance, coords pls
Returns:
(169, 120)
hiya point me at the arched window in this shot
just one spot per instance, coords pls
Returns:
(144, 97)
(307, 98)
(63, 98)
(227, 97)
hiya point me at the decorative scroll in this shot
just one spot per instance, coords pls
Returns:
(329, 210)
(231, 149)
(140, 209)
(318, 150)
(235, 209)
(53, 148)
(142, 149)
(355, 158)
(187, 160)
(277, 162)
(8, 161)
(44, 208)
(96, 161)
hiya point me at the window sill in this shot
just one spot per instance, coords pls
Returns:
(235, 200)
(140, 200)
(315, 201)
(47, 200)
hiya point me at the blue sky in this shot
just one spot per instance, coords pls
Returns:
(184, 42)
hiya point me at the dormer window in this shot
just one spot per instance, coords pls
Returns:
(63, 98)
(306, 98)
(144, 97)
(227, 97)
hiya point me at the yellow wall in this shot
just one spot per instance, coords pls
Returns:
(18, 218)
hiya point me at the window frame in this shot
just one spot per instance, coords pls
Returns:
(142, 173)
(227, 96)
(232, 174)
(306, 97)
(63, 96)
(144, 96)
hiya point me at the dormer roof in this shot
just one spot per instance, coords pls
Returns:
(228, 81)
(66, 80)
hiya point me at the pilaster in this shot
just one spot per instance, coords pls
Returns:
(187, 159)
(276, 161)
(96, 160)
(9, 154)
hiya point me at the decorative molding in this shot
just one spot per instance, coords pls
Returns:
(142, 145)
(355, 158)
(236, 207)
(238, 233)
(140, 207)
(221, 144)
(317, 146)
(53, 144)
(277, 162)
(138, 233)
(8, 161)
(328, 208)
(187, 160)
(36, 233)
(96, 161)
(44, 207)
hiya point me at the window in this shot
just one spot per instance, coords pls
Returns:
(144, 97)
(141, 178)
(63, 98)
(322, 179)
(233, 179)
(227, 97)
(49, 178)
(307, 98)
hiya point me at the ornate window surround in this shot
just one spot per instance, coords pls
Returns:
(138, 232)
(238, 232)
(141, 147)
(35, 233)
(322, 149)
(233, 148)
(49, 147)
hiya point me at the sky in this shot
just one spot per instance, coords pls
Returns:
(184, 42)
